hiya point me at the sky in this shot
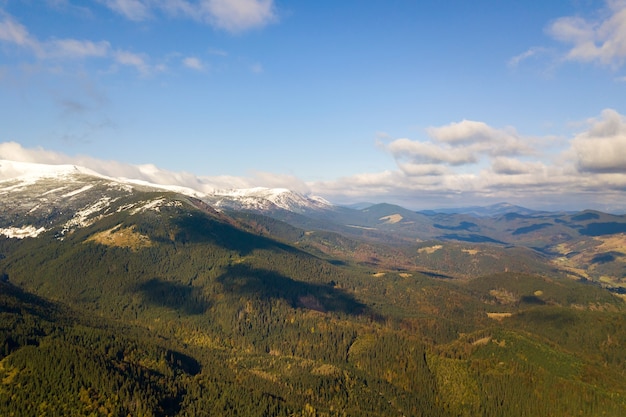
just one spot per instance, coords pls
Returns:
(426, 104)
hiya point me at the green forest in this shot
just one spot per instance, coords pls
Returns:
(189, 312)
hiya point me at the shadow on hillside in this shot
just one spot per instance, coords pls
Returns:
(265, 284)
(203, 229)
(606, 257)
(174, 295)
(532, 299)
(185, 363)
(601, 229)
(532, 228)
(472, 238)
(467, 226)
(435, 275)
(15, 300)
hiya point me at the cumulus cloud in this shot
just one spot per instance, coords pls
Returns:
(454, 145)
(512, 166)
(359, 186)
(428, 152)
(422, 170)
(272, 180)
(462, 132)
(602, 148)
(602, 40)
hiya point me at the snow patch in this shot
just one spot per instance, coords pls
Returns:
(151, 205)
(56, 190)
(82, 217)
(28, 170)
(75, 192)
(21, 232)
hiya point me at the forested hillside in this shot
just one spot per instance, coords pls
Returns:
(180, 310)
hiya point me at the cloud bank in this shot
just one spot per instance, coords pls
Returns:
(462, 163)
(470, 162)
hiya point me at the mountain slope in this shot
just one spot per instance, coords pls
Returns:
(139, 300)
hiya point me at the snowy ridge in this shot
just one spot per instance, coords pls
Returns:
(261, 198)
(174, 188)
(19, 176)
(28, 170)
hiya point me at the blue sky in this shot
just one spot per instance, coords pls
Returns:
(424, 104)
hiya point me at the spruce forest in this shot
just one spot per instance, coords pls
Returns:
(186, 311)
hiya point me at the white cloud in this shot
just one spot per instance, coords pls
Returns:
(532, 52)
(239, 15)
(193, 63)
(73, 48)
(272, 180)
(464, 131)
(217, 52)
(231, 15)
(428, 152)
(359, 186)
(602, 41)
(133, 60)
(136, 10)
(511, 166)
(457, 144)
(480, 137)
(602, 148)
(12, 32)
(13, 151)
(423, 170)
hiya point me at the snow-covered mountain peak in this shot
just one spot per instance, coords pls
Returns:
(29, 170)
(263, 198)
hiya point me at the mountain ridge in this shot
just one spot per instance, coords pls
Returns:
(65, 198)
(261, 198)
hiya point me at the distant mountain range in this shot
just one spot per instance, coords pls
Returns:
(486, 211)
(37, 198)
